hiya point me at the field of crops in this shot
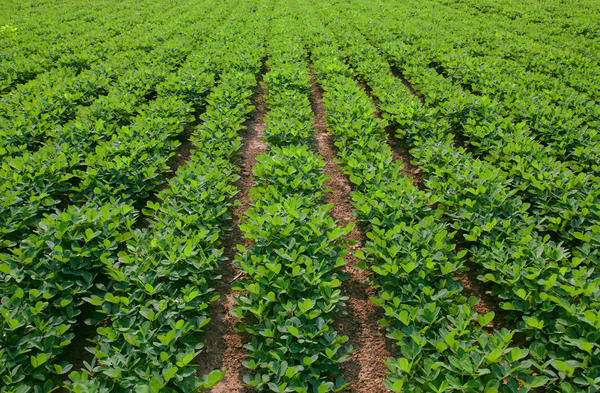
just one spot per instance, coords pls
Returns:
(299, 196)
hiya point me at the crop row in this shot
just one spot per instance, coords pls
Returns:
(96, 101)
(525, 21)
(441, 345)
(159, 297)
(572, 66)
(552, 294)
(290, 290)
(76, 259)
(567, 205)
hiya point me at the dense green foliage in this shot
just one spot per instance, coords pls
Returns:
(146, 291)
(111, 240)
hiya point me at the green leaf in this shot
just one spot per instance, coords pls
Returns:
(537, 381)
(254, 288)
(306, 305)
(397, 385)
(12, 323)
(404, 317)
(214, 377)
(566, 387)
(563, 367)
(538, 351)
(535, 323)
(186, 359)
(168, 374)
(486, 318)
(294, 331)
(4, 268)
(23, 389)
(155, 384)
(356, 180)
(494, 356)
(38, 360)
(143, 389)
(585, 346)
(404, 364)
(517, 353)
(290, 372)
(507, 306)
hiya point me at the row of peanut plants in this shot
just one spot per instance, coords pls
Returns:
(546, 25)
(37, 182)
(41, 111)
(490, 87)
(290, 290)
(567, 204)
(490, 96)
(158, 302)
(65, 37)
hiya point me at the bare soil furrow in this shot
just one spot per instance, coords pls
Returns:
(183, 154)
(473, 287)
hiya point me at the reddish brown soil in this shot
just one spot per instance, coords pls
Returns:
(400, 152)
(473, 288)
(364, 369)
(223, 345)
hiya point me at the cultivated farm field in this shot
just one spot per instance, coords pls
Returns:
(355, 196)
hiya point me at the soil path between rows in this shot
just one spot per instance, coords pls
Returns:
(364, 369)
(223, 344)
